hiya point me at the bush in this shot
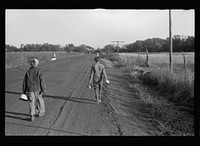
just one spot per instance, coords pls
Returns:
(179, 86)
(112, 57)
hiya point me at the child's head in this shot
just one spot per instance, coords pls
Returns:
(34, 62)
(97, 59)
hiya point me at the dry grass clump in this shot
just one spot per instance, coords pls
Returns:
(177, 86)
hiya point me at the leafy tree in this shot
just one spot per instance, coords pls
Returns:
(180, 43)
(10, 48)
(109, 48)
(69, 47)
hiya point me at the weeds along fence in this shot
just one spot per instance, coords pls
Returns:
(14, 59)
(178, 85)
(173, 107)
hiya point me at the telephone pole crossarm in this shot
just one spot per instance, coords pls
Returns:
(118, 44)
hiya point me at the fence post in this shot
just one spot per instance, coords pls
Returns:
(147, 59)
(138, 56)
(184, 61)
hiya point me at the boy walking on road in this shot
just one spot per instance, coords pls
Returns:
(34, 86)
(96, 78)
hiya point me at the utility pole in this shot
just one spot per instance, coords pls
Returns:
(170, 43)
(118, 44)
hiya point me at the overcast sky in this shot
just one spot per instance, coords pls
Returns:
(95, 28)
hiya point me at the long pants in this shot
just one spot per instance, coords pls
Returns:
(98, 89)
(36, 103)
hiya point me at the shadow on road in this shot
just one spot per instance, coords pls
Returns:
(13, 92)
(57, 71)
(74, 99)
(60, 71)
(45, 128)
(15, 115)
(21, 69)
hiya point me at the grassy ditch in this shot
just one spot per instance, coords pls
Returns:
(171, 94)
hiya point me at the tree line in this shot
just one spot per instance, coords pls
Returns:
(48, 47)
(180, 44)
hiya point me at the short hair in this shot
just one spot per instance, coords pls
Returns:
(97, 58)
(34, 62)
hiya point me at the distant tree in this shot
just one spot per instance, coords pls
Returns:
(90, 49)
(10, 48)
(123, 49)
(180, 43)
(69, 47)
(82, 48)
(109, 48)
(130, 47)
(138, 45)
(177, 43)
(189, 43)
(165, 46)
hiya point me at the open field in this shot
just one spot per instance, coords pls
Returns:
(161, 58)
(14, 59)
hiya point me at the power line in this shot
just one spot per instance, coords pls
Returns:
(118, 44)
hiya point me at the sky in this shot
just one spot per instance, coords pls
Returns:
(93, 27)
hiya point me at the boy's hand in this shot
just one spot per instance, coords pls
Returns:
(41, 92)
(107, 82)
(90, 83)
(89, 86)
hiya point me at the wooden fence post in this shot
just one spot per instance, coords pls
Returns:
(147, 59)
(138, 56)
(184, 61)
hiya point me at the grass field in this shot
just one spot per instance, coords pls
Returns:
(179, 83)
(14, 59)
(157, 59)
(173, 103)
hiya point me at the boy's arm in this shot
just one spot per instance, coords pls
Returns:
(42, 84)
(91, 75)
(24, 85)
(104, 73)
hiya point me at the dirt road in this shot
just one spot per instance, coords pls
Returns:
(71, 108)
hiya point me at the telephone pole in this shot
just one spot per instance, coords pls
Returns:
(118, 44)
(170, 43)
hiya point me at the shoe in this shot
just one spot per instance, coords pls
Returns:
(32, 118)
(39, 115)
(98, 101)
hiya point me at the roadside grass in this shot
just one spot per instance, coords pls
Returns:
(14, 59)
(174, 107)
